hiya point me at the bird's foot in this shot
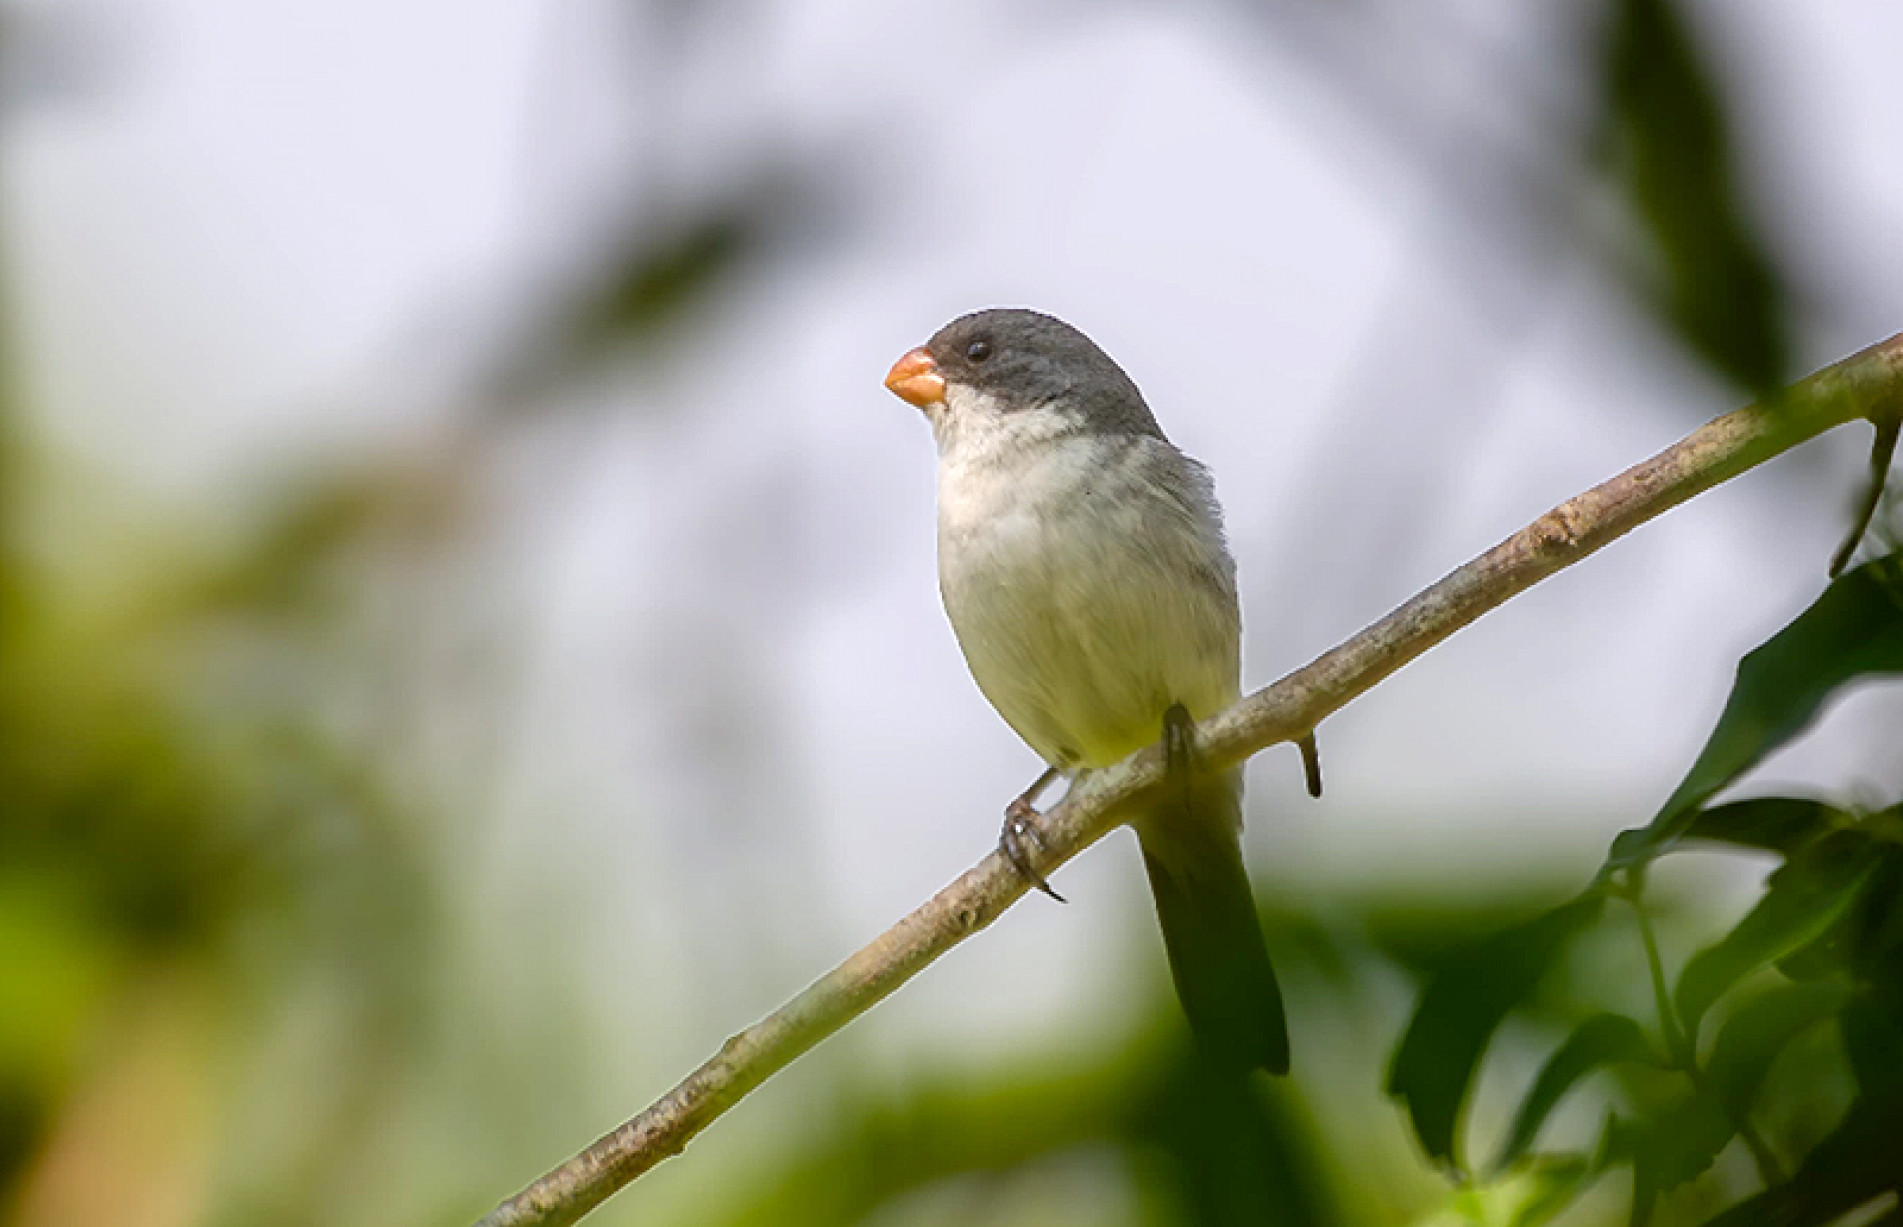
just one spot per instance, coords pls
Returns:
(1020, 839)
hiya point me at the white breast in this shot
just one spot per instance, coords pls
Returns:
(1087, 594)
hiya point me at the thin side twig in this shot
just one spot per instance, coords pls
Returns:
(1882, 451)
(1867, 385)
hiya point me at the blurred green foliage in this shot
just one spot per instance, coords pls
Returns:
(1664, 138)
(184, 854)
(1209, 1150)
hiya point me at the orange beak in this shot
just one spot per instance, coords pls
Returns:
(914, 378)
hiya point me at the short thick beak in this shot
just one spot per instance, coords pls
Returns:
(915, 378)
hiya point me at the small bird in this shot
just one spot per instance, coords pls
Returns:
(1082, 564)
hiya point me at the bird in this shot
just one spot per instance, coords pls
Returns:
(1083, 567)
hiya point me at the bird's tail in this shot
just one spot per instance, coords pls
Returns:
(1192, 848)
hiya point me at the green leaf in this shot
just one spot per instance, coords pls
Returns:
(1461, 1007)
(1666, 1149)
(1868, 940)
(1621, 1143)
(1679, 1144)
(1862, 1158)
(1556, 1184)
(1873, 1040)
(1855, 629)
(1801, 902)
(1601, 1040)
(1824, 958)
(1874, 940)
(1769, 824)
(1753, 1037)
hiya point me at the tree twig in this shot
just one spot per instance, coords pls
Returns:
(1882, 451)
(1866, 385)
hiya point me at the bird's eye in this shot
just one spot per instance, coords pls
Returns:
(978, 351)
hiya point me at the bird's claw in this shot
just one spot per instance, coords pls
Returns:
(1017, 839)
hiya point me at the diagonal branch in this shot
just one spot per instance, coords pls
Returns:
(1866, 385)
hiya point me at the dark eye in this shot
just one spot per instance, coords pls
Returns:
(978, 351)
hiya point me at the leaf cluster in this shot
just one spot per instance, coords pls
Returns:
(1820, 953)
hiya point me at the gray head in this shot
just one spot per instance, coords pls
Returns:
(1024, 360)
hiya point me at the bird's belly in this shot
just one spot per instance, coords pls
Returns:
(1081, 629)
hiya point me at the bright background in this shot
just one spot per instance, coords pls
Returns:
(473, 630)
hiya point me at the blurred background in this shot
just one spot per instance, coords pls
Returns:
(469, 638)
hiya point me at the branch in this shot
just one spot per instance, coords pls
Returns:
(1867, 385)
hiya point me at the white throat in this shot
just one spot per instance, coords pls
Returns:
(973, 427)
